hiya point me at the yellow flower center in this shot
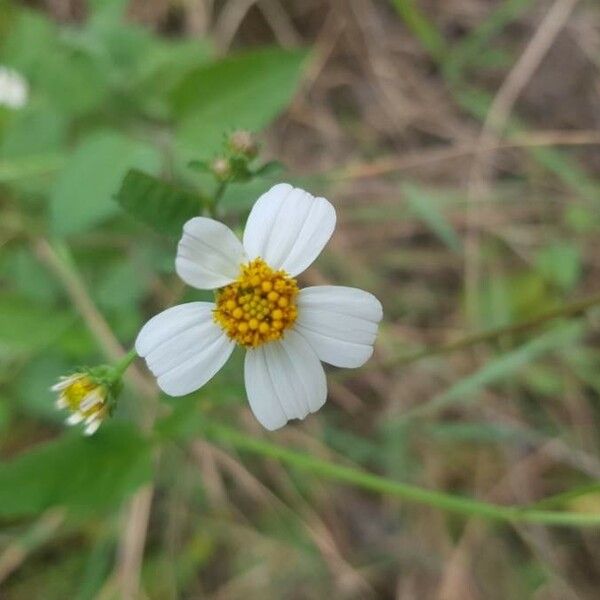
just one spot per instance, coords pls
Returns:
(75, 393)
(258, 306)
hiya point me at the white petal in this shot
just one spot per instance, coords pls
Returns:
(61, 402)
(184, 347)
(74, 418)
(92, 398)
(65, 382)
(90, 418)
(340, 323)
(92, 427)
(284, 380)
(209, 254)
(288, 228)
(170, 322)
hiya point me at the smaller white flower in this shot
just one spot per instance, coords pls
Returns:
(286, 331)
(85, 398)
(14, 90)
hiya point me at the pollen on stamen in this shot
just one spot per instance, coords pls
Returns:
(258, 306)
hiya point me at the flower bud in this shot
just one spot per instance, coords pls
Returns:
(221, 168)
(242, 142)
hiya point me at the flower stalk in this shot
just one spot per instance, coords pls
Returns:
(465, 506)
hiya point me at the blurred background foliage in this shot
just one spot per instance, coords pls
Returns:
(465, 177)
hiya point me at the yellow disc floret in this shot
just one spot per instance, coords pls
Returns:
(84, 397)
(76, 391)
(258, 306)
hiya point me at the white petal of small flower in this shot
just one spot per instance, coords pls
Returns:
(89, 419)
(340, 323)
(92, 399)
(184, 347)
(92, 427)
(288, 228)
(65, 381)
(74, 418)
(209, 254)
(61, 402)
(284, 380)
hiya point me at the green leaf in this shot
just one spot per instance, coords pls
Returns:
(477, 44)
(502, 368)
(82, 195)
(27, 327)
(37, 130)
(121, 286)
(73, 82)
(202, 166)
(31, 38)
(82, 474)
(245, 91)
(163, 68)
(32, 387)
(476, 432)
(31, 146)
(156, 203)
(495, 306)
(421, 27)
(426, 205)
(560, 264)
(27, 277)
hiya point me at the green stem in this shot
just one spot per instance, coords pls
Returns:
(411, 493)
(564, 497)
(569, 310)
(422, 28)
(219, 193)
(125, 362)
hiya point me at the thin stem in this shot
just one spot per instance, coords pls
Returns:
(125, 362)
(568, 310)
(568, 496)
(411, 493)
(65, 270)
(138, 512)
(214, 203)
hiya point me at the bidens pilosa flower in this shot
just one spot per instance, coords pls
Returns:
(286, 331)
(85, 398)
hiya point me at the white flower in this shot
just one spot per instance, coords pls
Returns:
(13, 88)
(287, 332)
(85, 398)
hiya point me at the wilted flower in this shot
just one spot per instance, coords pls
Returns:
(286, 331)
(13, 88)
(85, 398)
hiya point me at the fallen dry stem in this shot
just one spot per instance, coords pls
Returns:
(495, 122)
